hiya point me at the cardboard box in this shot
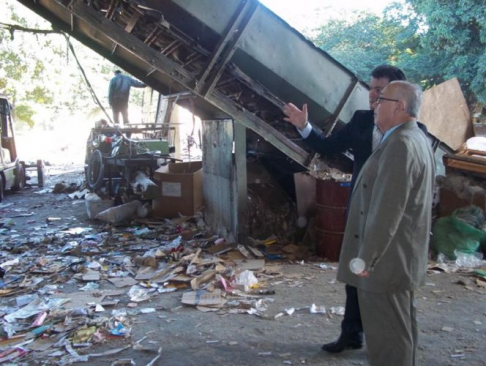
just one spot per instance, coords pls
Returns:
(181, 188)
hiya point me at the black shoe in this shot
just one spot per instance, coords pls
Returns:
(343, 344)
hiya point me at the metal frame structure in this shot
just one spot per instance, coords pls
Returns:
(137, 36)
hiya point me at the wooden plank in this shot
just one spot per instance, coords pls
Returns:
(153, 35)
(464, 165)
(467, 163)
(133, 22)
(217, 185)
(463, 157)
(111, 9)
(446, 114)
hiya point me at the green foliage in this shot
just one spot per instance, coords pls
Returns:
(38, 69)
(40, 74)
(360, 42)
(12, 64)
(432, 41)
(39, 95)
(454, 38)
(24, 113)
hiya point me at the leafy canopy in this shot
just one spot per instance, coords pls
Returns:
(432, 41)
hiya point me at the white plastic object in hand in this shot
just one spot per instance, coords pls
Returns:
(357, 265)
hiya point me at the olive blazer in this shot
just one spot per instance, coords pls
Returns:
(389, 217)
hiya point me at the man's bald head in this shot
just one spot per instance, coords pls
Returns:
(410, 94)
(398, 103)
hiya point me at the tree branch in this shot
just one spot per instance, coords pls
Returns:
(13, 27)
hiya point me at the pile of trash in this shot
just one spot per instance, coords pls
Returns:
(65, 289)
(462, 232)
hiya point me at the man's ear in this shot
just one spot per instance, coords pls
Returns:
(401, 106)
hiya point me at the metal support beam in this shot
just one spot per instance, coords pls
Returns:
(171, 48)
(229, 43)
(151, 72)
(332, 120)
(153, 35)
(227, 36)
(133, 22)
(174, 75)
(132, 44)
(111, 10)
(241, 195)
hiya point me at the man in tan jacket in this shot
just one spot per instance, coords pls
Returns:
(388, 228)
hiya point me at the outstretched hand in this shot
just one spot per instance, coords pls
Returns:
(295, 116)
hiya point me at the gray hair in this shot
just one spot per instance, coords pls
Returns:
(412, 96)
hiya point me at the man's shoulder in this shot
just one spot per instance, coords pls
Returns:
(362, 119)
(363, 115)
(423, 127)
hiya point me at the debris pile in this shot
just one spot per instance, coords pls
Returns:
(67, 288)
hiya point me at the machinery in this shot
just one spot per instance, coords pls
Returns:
(12, 173)
(236, 58)
(12, 170)
(120, 155)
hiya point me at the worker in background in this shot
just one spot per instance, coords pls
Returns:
(361, 136)
(118, 95)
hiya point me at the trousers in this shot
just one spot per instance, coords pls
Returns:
(390, 327)
(351, 326)
(120, 106)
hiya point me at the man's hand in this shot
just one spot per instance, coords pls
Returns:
(364, 274)
(295, 116)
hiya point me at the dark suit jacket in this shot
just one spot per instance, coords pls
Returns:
(356, 136)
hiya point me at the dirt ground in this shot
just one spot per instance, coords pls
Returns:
(452, 316)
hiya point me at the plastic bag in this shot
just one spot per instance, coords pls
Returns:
(247, 279)
(471, 215)
(469, 260)
(118, 214)
(454, 233)
(92, 197)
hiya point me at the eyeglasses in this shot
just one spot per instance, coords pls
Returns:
(380, 100)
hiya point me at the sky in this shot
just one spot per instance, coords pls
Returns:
(308, 14)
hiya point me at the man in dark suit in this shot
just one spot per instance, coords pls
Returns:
(388, 228)
(358, 134)
(361, 137)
